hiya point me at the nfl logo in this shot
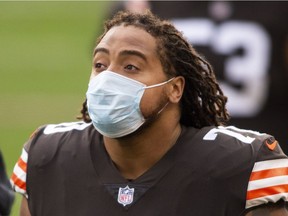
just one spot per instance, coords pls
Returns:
(125, 195)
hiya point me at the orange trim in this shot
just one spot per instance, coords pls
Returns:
(267, 191)
(268, 173)
(22, 164)
(271, 146)
(18, 182)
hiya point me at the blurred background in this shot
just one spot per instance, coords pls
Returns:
(45, 64)
(46, 53)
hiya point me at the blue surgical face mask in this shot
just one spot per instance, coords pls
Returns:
(113, 103)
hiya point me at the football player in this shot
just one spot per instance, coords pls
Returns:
(153, 138)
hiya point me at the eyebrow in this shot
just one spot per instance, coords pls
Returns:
(133, 53)
(96, 50)
(122, 53)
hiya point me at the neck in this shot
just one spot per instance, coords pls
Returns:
(135, 154)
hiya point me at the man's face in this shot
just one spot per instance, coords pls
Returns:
(131, 52)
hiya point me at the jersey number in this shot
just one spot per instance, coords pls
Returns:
(233, 132)
(63, 127)
(226, 39)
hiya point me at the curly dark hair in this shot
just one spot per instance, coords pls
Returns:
(203, 102)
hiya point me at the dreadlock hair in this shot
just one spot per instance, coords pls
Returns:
(203, 102)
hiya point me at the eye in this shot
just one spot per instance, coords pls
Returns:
(99, 66)
(131, 68)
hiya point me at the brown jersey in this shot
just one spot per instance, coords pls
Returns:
(209, 171)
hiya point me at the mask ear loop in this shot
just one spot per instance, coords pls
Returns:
(159, 84)
(162, 108)
(156, 85)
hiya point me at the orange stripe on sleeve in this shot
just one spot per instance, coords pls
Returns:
(268, 173)
(22, 164)
(267, 191)
(18, 182)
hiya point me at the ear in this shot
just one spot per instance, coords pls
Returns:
(176, 89)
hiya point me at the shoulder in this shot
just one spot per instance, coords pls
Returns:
(268, 182)
(231, 138)
(259, 148)
(259, 154)
(49, 140)
(60, 131)
(65, 127)
(233, 149)
(226, 139)
(43, 145)
(234, 134)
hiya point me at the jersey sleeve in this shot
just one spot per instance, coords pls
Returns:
(18, 177)
(268, 181)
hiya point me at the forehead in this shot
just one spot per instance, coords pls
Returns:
(128, 37)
